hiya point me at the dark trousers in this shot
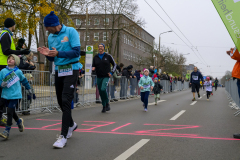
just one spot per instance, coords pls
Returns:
(216, 87)
(208, 94)
(144, 98)
(124, 87)
(65, 89)
(112, 91)
(11, 114)
(102, 87)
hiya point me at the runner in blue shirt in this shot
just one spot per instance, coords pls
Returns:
(64, 50)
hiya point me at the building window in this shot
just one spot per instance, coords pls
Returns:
(88, 22)
(46, 33)
(133, 57)
(124, 38)
(96, 36)
(78, 22)
(124, 23)
(105, 36)
(79, 34)
(106, 21)
(125, 54)
(96, 21)
(88, 36)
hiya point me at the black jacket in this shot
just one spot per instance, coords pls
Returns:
(157, 88)
(102, 66)
(164, 77)
(126, 73)
(137, 74)
(24, 65)
(151, 72)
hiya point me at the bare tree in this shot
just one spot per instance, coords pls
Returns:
(116, 9)
(169, 60)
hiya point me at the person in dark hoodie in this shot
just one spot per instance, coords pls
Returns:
(151, 71)
(195, 82)
(126, 75)
(157, 90)
(137, 74)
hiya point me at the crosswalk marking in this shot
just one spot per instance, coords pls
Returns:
(193, 103)
(177, 115)
(125, 155)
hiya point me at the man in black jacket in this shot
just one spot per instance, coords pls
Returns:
(196, 76)
(7, 47)
(101, 63)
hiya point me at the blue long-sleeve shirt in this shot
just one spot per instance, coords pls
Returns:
(67, 43)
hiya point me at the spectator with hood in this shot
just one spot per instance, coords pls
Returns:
(151, 71)
(126, 75)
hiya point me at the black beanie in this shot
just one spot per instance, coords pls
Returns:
(9, 22)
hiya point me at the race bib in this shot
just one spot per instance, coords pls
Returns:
(11, 79)
(195, 78)
(65, 70)
(146, 86)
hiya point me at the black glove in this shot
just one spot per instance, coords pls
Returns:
(25, 51)
(34, 96)
(29, 97)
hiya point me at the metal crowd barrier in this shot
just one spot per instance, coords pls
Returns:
(43, 85)
(119, 88)
(233, 97)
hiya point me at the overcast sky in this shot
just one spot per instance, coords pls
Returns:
(200, 23)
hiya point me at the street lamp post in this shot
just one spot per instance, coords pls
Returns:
(160, 40)
(154, 59)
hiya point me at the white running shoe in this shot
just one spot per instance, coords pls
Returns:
(145, 110)
(71, 129)
(61, 142)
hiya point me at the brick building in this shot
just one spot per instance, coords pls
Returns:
(125, 40)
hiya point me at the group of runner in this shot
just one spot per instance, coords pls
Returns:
(195, 82)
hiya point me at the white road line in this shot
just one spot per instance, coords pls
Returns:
(193, 103)
(177, 115)
(125, 155)
(204, 94)
(157, 102)
(200, 98)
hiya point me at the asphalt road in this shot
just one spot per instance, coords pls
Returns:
(172, 130)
